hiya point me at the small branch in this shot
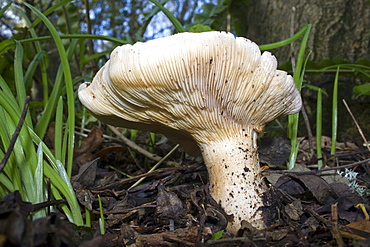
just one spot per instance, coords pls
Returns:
(121, 182)
(357, 125)
(127, 210)
(155, 166)
(15, 134)
(334, 225)
(309, 132)
(318, 171)
(137, 148)
(134, 146)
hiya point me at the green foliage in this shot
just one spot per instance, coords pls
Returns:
(301, 33)
(213, 14)
(29, 165)
(334, 125)
(68, 21)
(176, 23)
(227, 15)
(51, 52)
(319, 128)
(148, 16)
(27, 169)
(363, 89)
(101, 218)
(199, 28)
(217, 235)
(359, 70)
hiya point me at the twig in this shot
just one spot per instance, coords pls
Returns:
(15, 134)
(129, 180)
(334, 225)
(318, 217)
(319, 171)
(127, 210)
(136, 148)
(155, 166)
(336, 156)
(309, 131)
(357, 125)
(108, 137)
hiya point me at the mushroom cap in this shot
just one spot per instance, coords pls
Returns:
(191, 87)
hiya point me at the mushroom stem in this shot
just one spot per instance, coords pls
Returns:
(235, 177)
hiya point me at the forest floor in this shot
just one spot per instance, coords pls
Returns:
(173, 207)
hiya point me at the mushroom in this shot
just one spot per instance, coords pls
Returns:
(210, 92)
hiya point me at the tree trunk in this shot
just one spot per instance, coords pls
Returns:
(340, 28)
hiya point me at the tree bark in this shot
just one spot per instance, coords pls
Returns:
(340, 28)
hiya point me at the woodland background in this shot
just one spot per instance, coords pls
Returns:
(47, 48)
(339, 35)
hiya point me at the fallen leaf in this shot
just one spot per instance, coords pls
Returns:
(294, 209)
(169, 206)
(86, 175)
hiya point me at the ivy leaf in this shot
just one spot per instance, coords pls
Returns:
(363, 89)
(199, 28)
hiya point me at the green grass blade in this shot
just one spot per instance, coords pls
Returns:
(2, 11)
(44, 76)
(6, 45)
(39, 180)
(287, 41)
(6, 185)
(10, 169)
(319, 128)
(43, 122)
(94, 56)
(58, 130)
(70, 195)
(176, 23)
(334, 119)
(37, 140)
(66, 148)
(7, 100)
(32, 68)
(67, 78)
(18, 73)
(49, 11)
(76, 36)
(363, 69)
(298, 79)
(101, 218)
(61, 187)
(151, 142)
(21, 162)
(301, 58)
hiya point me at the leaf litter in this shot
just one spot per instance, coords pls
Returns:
(173, 207)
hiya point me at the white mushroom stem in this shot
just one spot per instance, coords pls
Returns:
(235, 177)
